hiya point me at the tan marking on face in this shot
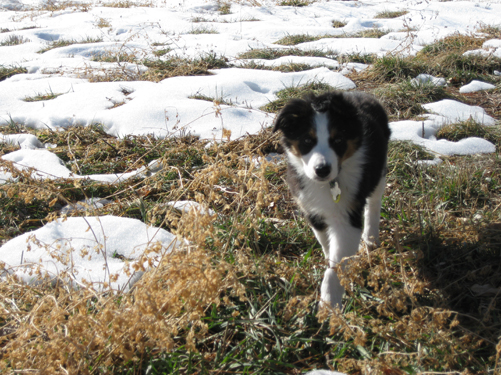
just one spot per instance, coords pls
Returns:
(333, 133)
(351, 146)
(312, 133)
(294, 147)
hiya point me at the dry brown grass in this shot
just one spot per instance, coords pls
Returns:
(249, 278)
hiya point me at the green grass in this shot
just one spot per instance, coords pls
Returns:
(271, 53)
(411, 305)
(443, 58)
(293, 92)
(291, 40)
(455, 43)
(469, 128)
(403, 100)
(286, 68)
(398, 300)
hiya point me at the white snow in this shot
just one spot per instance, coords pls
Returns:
(474, 86)
(24, 141)
(167, 108)
(451, 111)
(187, 206)
(95, 250)
(413, 131)
(423, 79)
(490, 47)
(44, 164)
(85, 205)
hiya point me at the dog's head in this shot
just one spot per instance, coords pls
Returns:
(320, 133)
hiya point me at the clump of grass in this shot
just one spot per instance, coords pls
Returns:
(102, 23)
(203, 30)
(199, 19)
(14, 40)
(292, 92)
(217, 100)
(493, 31)
(395, 68)
(456, 68)
(456, 43)
(357, 57)
(9, 71)
(292, 40)
(115, 56)
(404, 100)
(444, 58)
(67, 42)
(391, 14)
(175, 66)
(370, 33)
(224, 8)
(285, 68)
(119, 4)
(407, 151)
(469, 128)
(127, 4)
(55, 6)
(4, 30)
(161, 52)
(272, 54)
(296, 3)
(41, 97)
(338, 24)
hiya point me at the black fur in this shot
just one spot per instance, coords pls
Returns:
(317, 222)
(355, 116)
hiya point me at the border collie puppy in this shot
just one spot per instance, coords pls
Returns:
(336, 145)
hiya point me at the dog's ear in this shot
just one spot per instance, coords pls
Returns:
(290, 116)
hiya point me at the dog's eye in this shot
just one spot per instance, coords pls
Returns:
(307, 141)
(338, 140)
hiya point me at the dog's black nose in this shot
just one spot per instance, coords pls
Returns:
(323, 170)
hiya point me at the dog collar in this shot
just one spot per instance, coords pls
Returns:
(335, 191)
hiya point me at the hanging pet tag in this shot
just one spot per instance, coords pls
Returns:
(335, 191)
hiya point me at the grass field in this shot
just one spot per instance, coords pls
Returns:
(242, 298)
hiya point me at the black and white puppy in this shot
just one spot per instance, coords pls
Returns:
(336, 145)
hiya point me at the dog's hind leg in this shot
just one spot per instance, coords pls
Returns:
(372, 215)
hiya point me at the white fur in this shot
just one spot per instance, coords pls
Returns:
(340, 239)
(321, 153)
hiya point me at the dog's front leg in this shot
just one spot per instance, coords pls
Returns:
(343, 242)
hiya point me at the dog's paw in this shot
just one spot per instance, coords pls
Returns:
(331, 291)
(371, 242)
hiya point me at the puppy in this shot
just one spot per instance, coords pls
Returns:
(336, 145)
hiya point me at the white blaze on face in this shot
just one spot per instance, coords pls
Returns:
(322, 153)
